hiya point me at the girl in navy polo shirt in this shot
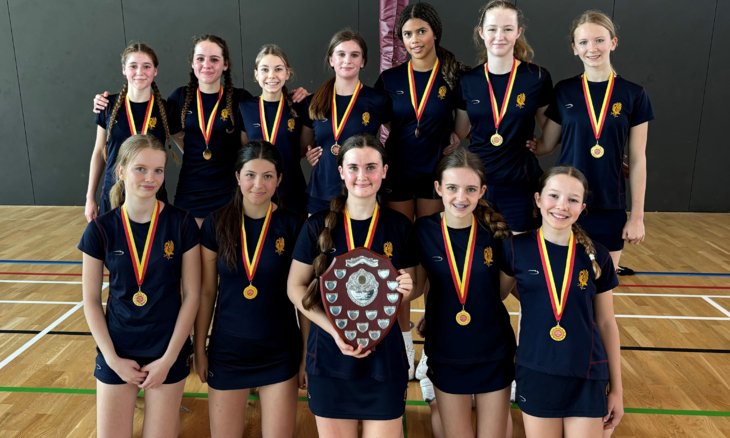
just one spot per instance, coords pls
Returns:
(137, 109)
(421, 130)
(501, 100)
(255, 340)
(461, 251)
(596, 116)
(346, 385)
(339, 109)
(151, 251)
(568, 358)
(275, 118)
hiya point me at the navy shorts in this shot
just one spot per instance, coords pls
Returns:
(604, 226)
(178, 371)
(356, 399)
(548, 396)
(401, 187)
(475, 378)
(517, 205)
(239, 363)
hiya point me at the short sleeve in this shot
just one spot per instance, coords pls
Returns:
(207, 234)
(190, 233)
(459, 93)
(546, 95)
(306, 250)
(409, 254)
(508, 249)
(92, 241)
(608, 279)
(379, 84)
(306, 120)
(642, 110)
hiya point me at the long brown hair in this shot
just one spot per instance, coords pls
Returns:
(485, 214)
(324, 242)
(190, 89)
(322, 98)
(137, 47)
(127, 151)
(451, 68)
(580, 234)
(522, 51)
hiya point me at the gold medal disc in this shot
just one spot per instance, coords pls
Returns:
(139, 299)
(417, 132)
(557, 333)
(463, 318)
(207, 154)
(597, 151)
(496, 140)
(250, 292)
(335, 149)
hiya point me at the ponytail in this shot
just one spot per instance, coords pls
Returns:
(322, 100)
(451, 68)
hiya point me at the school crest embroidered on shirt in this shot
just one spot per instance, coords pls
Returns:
(388, 249)
(616, 109)
(442, 92)
(488, 256)
(521, 100)
(153, 122)
(583, 279)
(169, 249)
(224, 114)
(279, 245)
(366, 118)
(290, 125)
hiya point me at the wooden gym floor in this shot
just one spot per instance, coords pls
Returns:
(674, 317)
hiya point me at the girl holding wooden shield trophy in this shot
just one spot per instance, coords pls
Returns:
(348, 384)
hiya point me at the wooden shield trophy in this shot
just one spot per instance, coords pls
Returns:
(359, 296)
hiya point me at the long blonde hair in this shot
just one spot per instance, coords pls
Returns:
(522, 51)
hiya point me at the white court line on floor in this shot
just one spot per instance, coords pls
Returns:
(40, 281)
(70, 303)
(718, 306)
(633, 294)
(698, 318)
(36, 338)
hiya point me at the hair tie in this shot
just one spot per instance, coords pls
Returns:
(592, 257)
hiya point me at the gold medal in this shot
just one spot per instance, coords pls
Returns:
(207, 154)
(335, 149)
(207, 130)
(557, 333)
(250, 292)
(497, 113)
(463, 318)
(139, 299)
(597, 151)
(496, 139)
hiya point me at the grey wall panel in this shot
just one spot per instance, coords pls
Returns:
(168, 26)
(368, 16)
(711, 179)
(673, 70)
(16, 185)
(62, 51)
(459, 19)
(303, 30)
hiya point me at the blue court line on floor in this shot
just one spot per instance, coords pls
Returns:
(654, 273)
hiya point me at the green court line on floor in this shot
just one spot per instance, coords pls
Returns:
(81, 391)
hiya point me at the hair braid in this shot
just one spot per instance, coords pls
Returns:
(489, 217)
(161, 110)
(228, 90)
(587, 243)
(113, 117)
(313, 297)
(451, 68)
(189, 91)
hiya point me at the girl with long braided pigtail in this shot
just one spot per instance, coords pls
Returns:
(344, 384)
(565, 283)
(138, 108)
(460, 251)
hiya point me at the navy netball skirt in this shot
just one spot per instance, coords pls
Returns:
(356, 399)
(549, 396)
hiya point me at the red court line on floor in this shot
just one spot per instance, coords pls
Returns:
(53, 274)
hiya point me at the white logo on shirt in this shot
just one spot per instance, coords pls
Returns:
(476, 102)
(437, 258)
(400, 92)
(569, 105)
(533, 272)
(118, 252)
